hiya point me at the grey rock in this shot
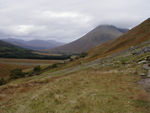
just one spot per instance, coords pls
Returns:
(142, 74)
(142, 51)
(145, 66)
(141, 62)
(148, 74)
(146, 49)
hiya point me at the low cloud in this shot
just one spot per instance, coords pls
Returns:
(67, 20)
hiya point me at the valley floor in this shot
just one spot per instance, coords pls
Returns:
(8, 64)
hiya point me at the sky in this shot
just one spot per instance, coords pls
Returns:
(67, 20)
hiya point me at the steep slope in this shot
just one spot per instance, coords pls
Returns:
(133, 37)
(97, 36)
(34, 44)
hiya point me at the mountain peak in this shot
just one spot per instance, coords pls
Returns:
(112, 27)
(135, 36)
(95, 37)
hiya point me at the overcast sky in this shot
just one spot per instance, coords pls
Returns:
(67, 20)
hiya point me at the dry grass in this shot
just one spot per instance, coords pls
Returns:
(6, 65)
(135, 36)
(104, 89)
(89, 91)
(29, 61)
(6, 68)
(48, 54)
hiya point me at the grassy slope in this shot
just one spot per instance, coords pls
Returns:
(98, 88)
(109, 87)
(135, 36)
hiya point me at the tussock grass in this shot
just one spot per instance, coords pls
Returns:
(88, 91)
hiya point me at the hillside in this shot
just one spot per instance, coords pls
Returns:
(113, 84)
(133, 37)
(34, 44)
(8, 50)
(103, 86)
(95, 37)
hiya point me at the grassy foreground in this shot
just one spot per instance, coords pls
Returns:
(92, 90)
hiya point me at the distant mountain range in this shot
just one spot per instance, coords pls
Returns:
(8, 50)
(94, 38)
(34, 44)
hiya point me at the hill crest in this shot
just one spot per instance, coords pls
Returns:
(95, 37)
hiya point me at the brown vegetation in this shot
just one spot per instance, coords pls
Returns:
(6, 65)
(133, 37)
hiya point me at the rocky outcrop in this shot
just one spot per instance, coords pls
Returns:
(142, 51)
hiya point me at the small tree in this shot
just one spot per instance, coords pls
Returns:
(37, 68)
(84, 54)
(55, 65)
(2, 81)
(16, 73)
(71, 59)
(124, 61)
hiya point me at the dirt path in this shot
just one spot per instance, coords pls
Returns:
(145, 81)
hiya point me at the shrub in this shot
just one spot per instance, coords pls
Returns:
(2, 81)
(37, 69)
(16, 73)
(55, 65)
(124, 60)
(84, 54)
(71, 59)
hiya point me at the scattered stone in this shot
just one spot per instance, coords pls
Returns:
(132, 48)
(148, 74)
(142, 74)
(145, 84)
(146, 49)
(145, 66)
(148, 58)
(141, 62)
(142, 51)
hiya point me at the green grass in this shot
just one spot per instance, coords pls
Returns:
(106, 86)
(93, 90)
(98, 89)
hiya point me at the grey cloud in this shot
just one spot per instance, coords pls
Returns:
(67, 20)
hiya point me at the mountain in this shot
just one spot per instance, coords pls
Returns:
(34, 44)
(11, 51)
(113, 84)
(137, 35)
(8, 50)
(97, 36)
